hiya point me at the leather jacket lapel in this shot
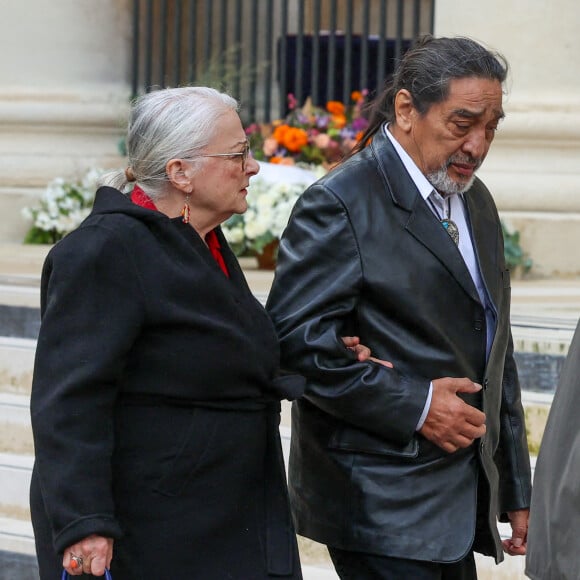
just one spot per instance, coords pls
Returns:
(433, 236)
(485, 240)
(420, 222)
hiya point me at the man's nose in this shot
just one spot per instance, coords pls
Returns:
(477, 144)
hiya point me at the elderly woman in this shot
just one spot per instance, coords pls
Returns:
(155, 400)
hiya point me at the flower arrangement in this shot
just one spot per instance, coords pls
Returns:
(310, 135)
(269, 207)
(63, 206)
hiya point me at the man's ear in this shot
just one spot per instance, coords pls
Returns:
(405, 112)
(178, 173)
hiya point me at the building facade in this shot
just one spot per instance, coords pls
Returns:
(66, 86)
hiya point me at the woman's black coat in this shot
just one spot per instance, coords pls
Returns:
(155, 405)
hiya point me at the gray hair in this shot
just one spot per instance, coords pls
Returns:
(166, 124)
(426, 71)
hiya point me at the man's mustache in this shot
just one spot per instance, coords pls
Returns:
(465, 160)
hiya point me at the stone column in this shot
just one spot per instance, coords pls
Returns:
(533, 168)
(63, 96)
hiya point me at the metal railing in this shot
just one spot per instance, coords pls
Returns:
(261, 50)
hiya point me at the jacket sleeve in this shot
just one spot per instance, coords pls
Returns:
(92, 305)
(313, 302)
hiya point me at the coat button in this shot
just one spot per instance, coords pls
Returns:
(485, 383)
(477, 325)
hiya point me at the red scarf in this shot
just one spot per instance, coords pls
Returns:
(140, 198)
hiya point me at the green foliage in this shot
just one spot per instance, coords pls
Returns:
(515, 256)
(35, 235)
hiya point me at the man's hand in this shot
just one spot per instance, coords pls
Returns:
(451, 423)
(516, 545)
(363, 352)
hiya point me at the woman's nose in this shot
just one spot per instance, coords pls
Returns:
(252, 166)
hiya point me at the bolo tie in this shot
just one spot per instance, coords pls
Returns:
(448, 224)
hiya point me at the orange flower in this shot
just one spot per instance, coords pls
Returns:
(282, 160)
(359, 136)
(356, 96)
(339, 121)
(294, 139)
(335, 108)
(280, 132)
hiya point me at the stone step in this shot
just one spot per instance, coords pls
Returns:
(16, 364)
(16, 536)
(19, 291)
(15, 431)
(545, 334)
(15, 474)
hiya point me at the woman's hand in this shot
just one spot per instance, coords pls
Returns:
(94, 553)
(362, 352)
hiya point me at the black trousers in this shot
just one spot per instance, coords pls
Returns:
(360, 566)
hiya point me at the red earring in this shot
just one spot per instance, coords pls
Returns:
(185, 212)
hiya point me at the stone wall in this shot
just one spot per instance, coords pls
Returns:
(63, 97)
(65, 89)
(533, 168)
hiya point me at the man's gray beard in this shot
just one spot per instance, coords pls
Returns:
(441, 181)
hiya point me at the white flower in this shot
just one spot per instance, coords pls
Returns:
(266, 202)
(255, 228)
(281, 217)
(90, 179)
(63, 205)
(27, 213)
(44, 221)
(234, 235)
(270, 204)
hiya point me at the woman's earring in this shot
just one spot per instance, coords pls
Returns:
(185, 211)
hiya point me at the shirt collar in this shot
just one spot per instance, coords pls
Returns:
(420, 181)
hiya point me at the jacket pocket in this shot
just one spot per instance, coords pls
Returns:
(358, 441)
(191, 452)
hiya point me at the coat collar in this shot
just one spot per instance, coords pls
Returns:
(109, 200)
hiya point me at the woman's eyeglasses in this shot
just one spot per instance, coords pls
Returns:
(243, 154)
